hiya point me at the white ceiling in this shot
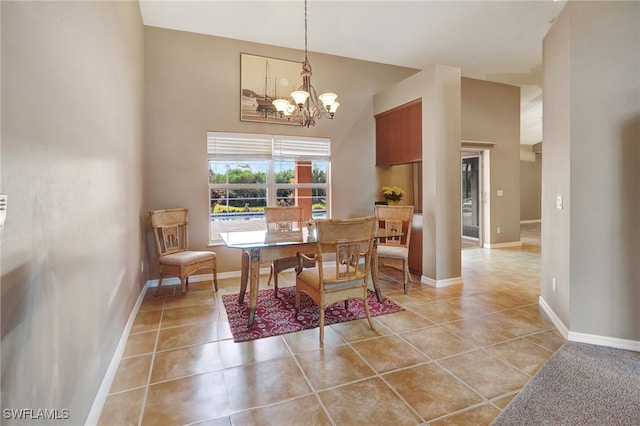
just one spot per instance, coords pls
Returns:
(492, 40)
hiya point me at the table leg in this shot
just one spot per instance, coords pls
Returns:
(244, 276)
(254, 281)
(374, 270)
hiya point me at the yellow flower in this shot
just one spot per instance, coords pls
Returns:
(393, 193)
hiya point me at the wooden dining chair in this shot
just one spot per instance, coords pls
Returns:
(171, 234)
(393, 250)
(339, 274)
(282, 219)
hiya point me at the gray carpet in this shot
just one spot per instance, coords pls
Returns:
(580, 384)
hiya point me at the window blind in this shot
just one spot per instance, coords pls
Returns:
(229, 146)
(300, 148)
(226, 146)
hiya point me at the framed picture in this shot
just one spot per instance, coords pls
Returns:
(261, 81)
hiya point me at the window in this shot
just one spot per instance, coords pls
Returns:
(248, 172)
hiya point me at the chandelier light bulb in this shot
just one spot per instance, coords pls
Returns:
(327, 99)
(281, 105)
(300, 97)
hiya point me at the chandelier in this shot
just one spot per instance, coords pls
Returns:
(305, 105)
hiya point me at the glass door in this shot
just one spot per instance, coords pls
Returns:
(471, 199)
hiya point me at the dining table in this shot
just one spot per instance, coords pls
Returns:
(264, 246)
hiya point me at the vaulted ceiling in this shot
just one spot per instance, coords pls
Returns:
(492, 40)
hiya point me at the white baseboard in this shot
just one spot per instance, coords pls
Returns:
(107, 381)
(612, 342)
(503, 245)
(440, 283)
(562, 329)
(531, 221)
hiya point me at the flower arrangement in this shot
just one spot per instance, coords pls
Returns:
(393, 193)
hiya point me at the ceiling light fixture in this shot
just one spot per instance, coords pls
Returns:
(306, 106)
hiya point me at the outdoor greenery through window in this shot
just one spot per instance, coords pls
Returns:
(250, 171)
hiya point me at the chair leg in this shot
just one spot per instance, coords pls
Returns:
(406, 289)
(275, 280)
(215, 278)
(321, 325)
(271, 273)
(296, 303)
(366, 310)
(405, 273)
(346, 304)
(244, 276)
(159, 285)
(408, 272)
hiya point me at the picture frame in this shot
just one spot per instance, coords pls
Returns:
(263, 79)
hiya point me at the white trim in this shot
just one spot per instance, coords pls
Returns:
(440, 283)
(557, 322)
(531, 221)
(612, 342)
(503, 245)
(107, 381)
(475, 144)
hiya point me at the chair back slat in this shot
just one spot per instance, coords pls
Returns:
(170, 230)
(397, 222)
(283, 219)
(347, 261)
(395, 232)
(344, 242)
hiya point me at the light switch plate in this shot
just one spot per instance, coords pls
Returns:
(3, 209)
(559, 202)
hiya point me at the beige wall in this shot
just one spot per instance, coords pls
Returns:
(192, 85)
(72, 132)
(591, 153)
(439, 88)
(531, 188)
(491, 113)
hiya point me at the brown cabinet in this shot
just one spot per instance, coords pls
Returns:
(399, 135)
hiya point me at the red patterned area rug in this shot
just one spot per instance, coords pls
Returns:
(276, 316)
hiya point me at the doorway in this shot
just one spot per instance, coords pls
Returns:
(471, 182)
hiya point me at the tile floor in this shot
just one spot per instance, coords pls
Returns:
(456, 355)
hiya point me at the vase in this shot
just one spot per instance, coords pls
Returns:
(311, 232)
(393, 202)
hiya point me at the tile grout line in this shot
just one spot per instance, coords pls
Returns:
(379, 375)
(314, 391)
(153, 357)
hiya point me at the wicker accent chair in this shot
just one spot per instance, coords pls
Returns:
(339, 275)
(171, 234)
(394, 249)
(282, 219)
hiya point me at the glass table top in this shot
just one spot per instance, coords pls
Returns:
(264, 238)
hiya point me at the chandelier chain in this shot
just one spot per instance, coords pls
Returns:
(307, 106)
(305, 30)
